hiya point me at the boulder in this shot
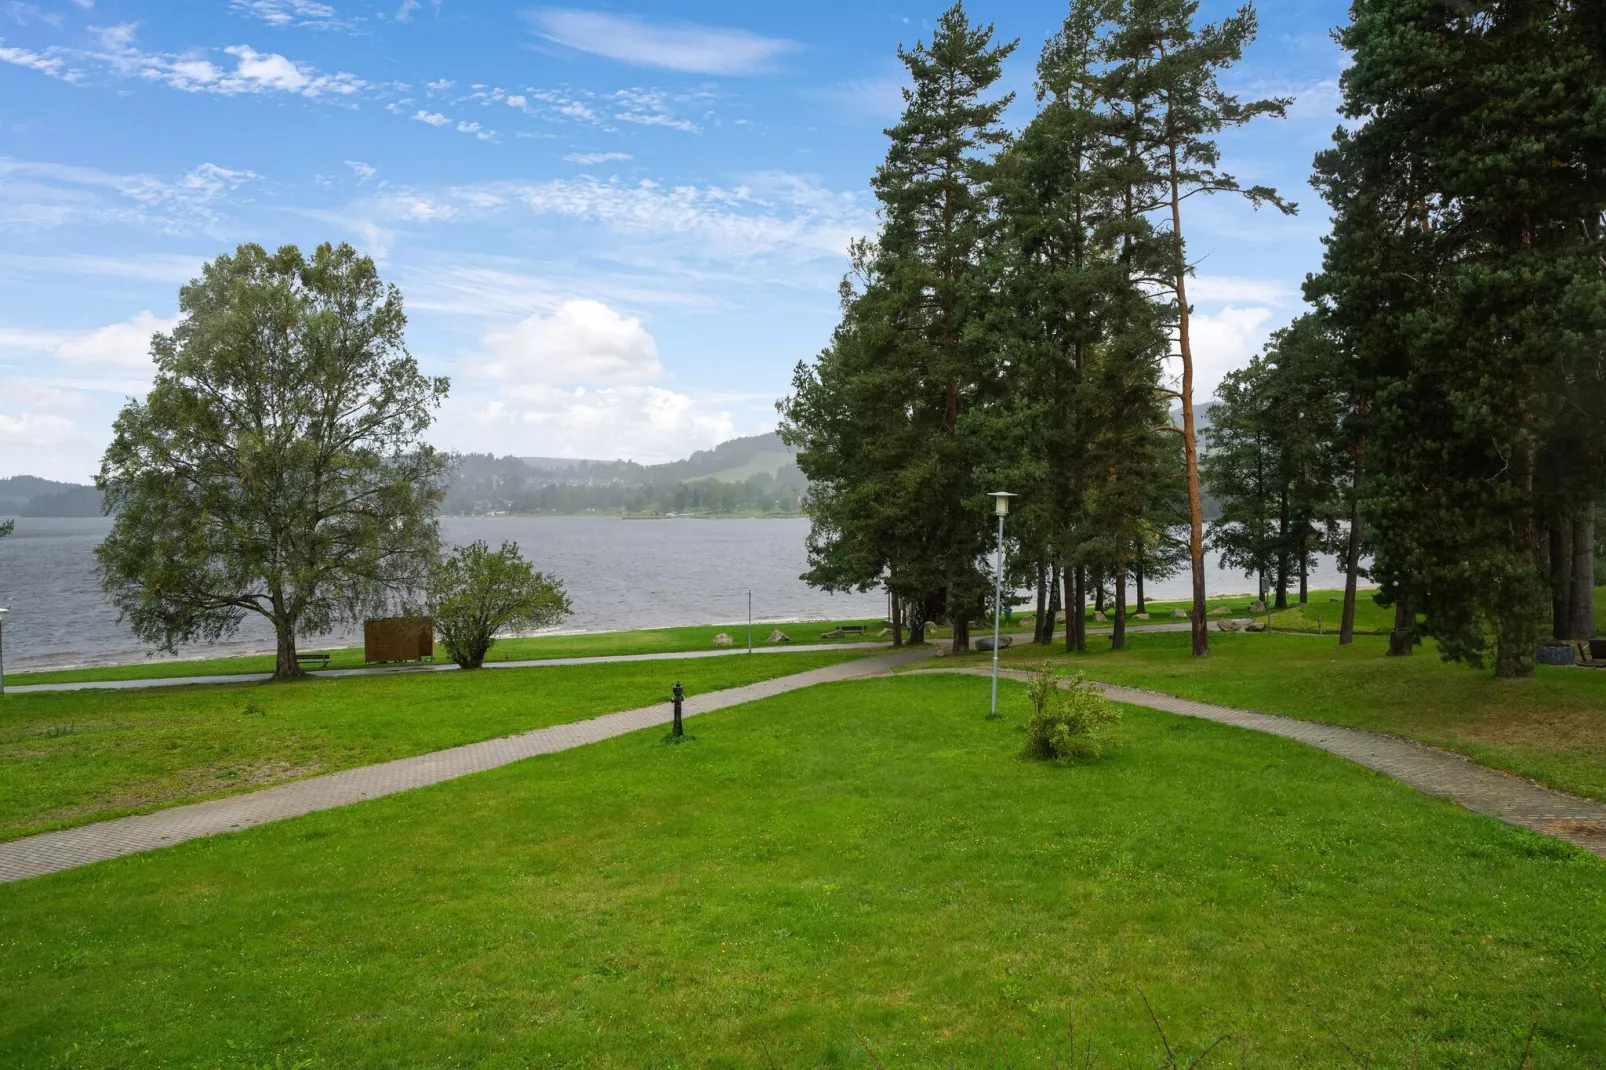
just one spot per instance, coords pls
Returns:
(1141, 616)
(1255, 626)
(834, 633)
(1220, 611)
(1257, 606)
(778, 636)
(1228, 625)
(1098, 615)
(986, 642)
(723, 640)
(1181, 614)
(884, 633)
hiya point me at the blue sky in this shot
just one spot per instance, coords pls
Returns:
(617, 228)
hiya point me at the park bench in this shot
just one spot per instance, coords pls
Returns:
(843, 630)
(320, 660)
(1592, 653)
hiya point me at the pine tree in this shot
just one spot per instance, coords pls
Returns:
(1165, 79)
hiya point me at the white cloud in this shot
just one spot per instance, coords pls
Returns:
(49, 62)
(36, 429)
(439, 86)
(591, 158)
(404, 13)
(36, 195)
(682, 47)
(116, 346)
(1235, 288)
(153, 267)
(433, 118)
(643, 423)
(283, 13)
(581, 343)
(363, 171)
(649, 107)
(1222, 342)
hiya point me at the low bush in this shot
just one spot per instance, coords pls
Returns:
(1069, 717)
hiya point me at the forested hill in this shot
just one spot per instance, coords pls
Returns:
(754, 474)
(32, 496)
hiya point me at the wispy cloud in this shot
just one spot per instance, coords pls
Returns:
(675, 46)
(36, 195)
(588, 159)
(286, 13)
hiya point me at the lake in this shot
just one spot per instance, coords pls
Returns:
(620, 574)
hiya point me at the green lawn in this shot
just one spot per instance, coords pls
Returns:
(860, 860)
(594, 644)
(1551, 728)
(67, 758)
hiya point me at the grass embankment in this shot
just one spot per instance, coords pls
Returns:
(594, 644)
(68, 758)
(1551, 728)
(870, 859)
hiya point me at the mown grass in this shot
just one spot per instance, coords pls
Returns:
(868, 860)
(67, 758)
(594, 644)
(1551, 728)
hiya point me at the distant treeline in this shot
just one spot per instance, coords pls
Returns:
(485, 484)
(32, 496)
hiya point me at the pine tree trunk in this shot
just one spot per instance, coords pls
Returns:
(897, 622)
(1138, 569)
(1098, 593)
(1561, 580)
(1282, 553)
(1053, 604)
(1076, 612)
(1583, 596)
(1042, 605)
(1190, 440)
(1118, 634)
(1352, 566)
(1402, 638)
(1304, 570)
(961, 643)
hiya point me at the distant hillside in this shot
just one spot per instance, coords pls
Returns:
(731, 461)
(32, 496)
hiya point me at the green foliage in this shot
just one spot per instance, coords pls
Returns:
(7, 528)
(277, 465)
(476, 594)
(1069, 716)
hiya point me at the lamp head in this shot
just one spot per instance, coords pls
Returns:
(3, 613)
(1001, 502)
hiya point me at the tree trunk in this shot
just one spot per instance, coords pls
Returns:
(1514, 640)
(1560, 569)
(1304, 570)
(1282, 553)
(1402, 640)
(1137, 567)
(1098, 593)
(1076, 612)
(1583, 598)
(961, 643)
(1053, 603)
(284, 663)
(897, 622)
(917, 624)
(1118, 633)
(1190, 440)
(1352, 565)
(1042, 605)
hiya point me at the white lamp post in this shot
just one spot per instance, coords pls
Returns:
(3, 613)
(1000, 509)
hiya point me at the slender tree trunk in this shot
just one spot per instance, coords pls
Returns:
(1118, 634)
(1304, 569)
(1583, 599)
(916, 612)
(1053, 603)
(897, 622)
(1137, 567)
(1042, 604)
(1282, 552)
(1402, 640)
(1561, 580)
(1098, 593)
(1076, 619)
(1352, 566)
(1190, 440)
(961, 643)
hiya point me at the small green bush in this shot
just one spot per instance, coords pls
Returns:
(1069, 717)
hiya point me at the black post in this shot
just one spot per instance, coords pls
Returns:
(680, 693)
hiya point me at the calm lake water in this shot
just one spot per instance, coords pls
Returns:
(619, 574)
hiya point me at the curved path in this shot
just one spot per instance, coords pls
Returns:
(1511, 799)
(50, 852)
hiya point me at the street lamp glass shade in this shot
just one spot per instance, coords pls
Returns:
(1001, 502)
(3, 613)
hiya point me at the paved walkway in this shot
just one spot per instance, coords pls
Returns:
(397, 670)
(1427, 769)
(51, 852)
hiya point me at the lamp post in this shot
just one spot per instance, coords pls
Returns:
(1000, 509)
(3, 613)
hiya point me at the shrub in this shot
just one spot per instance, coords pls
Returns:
(1069, 717)
(476, 594)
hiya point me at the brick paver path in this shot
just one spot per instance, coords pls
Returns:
(53, 851)
(1427, 769)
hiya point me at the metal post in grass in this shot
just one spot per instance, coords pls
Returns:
(3, 613)
(749, 620)
(679, 695)
(1000, 509)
